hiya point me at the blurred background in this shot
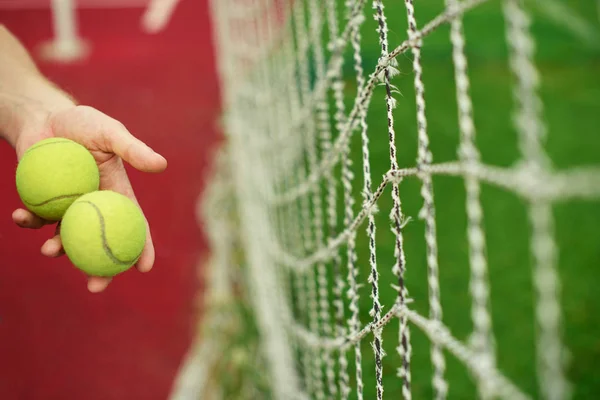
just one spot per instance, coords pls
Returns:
(59, 342)
(56, 340)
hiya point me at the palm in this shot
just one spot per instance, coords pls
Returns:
(110, 143)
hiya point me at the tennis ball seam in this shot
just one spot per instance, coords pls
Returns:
(105, 245)
(54, 141)
(62, 197)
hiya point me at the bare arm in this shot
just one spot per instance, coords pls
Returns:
(24, 92)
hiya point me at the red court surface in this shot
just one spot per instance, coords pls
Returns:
(57, 341)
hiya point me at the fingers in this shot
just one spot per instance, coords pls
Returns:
(114, 177)
(97, 284)
(26, 219)
(136, 153)
(53, 247)
(131, 149)
(146, 261)
(93, 128)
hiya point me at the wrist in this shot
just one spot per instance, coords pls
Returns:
(29, 106)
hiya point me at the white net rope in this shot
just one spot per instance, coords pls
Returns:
(287, 136)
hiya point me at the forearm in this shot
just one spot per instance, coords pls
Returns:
(24, 92)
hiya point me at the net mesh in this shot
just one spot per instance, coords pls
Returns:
(304, 195)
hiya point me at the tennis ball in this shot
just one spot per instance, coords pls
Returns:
(103, 233)
(52, 174)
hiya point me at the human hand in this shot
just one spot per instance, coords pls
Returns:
(110, 143)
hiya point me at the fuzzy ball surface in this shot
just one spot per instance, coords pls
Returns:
(103, 233)
(52, 174)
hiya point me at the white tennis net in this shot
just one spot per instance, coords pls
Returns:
(288, 154)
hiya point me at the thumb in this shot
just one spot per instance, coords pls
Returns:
(86, 124)
(132, 150)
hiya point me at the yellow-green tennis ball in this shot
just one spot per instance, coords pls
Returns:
(103, 233)
(52, 174)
